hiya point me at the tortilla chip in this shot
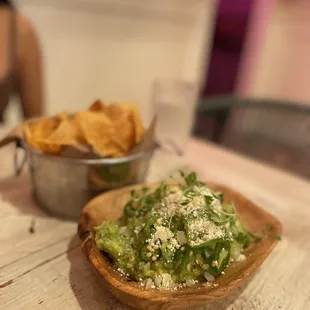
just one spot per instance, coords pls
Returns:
(98, 129)
(43, 128)
(66, 134)
(97, 106)
(110, 130)
(40, 129)
(136, 119)
(29, 137)
(63, 116)
(117, 112)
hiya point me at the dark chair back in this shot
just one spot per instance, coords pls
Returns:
(276, 132)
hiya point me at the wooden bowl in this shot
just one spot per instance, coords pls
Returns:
(109, 206)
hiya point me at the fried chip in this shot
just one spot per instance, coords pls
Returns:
(39, 129)
(136, 119)
(123, 135)
(43, 128)
(29, 137)
(66, 134)
(63, 116)
(98, 129)
(80, 136)
(123, 130)
(97, 106)
(110, 130)
(117, 112)
(50, 147)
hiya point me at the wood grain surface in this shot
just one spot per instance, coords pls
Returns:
(47, 270)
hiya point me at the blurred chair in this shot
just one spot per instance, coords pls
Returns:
(272, 131)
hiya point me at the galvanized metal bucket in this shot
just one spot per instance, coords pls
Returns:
(62, 186)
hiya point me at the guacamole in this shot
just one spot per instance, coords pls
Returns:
(174, 236)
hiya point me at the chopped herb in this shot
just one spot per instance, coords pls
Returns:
(254, 237)
(220, 196)
(277, 237)
(184, 203)
(208, 200)
(268, 227)
(191, 179)
(145, 189)
(175, 235)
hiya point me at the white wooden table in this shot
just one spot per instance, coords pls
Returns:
(46, 269)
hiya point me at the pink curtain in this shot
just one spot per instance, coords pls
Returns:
(256, 31)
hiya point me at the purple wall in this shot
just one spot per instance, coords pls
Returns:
(230, 31)
(234, 7)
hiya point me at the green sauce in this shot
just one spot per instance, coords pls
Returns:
(175, 236)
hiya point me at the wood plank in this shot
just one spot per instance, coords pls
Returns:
(69, 281)
(6, 153)
(17, 212)
(21, 243)
(230, 169)
(20, 268)
(53, 277)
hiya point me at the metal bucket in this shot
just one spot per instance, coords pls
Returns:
(62, 186)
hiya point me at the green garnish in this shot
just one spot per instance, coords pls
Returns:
(277, 237)
(176, 235)
(268, 227)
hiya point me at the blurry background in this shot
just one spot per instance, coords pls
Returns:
(253, 49)
(256, 98)
(114, 49)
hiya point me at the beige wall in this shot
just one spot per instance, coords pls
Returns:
(276, 65)
(282, 65)
(115, 49)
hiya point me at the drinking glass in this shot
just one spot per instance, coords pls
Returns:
(174, 103)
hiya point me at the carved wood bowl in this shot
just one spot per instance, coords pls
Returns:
(109, 206)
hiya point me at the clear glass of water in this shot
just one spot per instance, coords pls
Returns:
(174, 103)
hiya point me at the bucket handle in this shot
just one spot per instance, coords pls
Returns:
(16, 135)
(19, 165)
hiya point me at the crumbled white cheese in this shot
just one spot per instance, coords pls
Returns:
(209, 277)
(173, 244)
(240, 258)
(191, 282)
(204, 190)
(166, 280)
(121, 271)
(181, 237)
(125, 231)
(163, 233)
(201, 231)
(148, 283)
(158, 280)
(137, 229)
(214, 263)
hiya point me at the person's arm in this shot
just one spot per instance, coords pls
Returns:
(29, 69)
